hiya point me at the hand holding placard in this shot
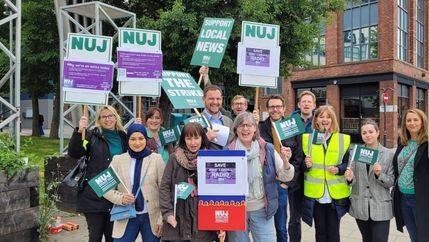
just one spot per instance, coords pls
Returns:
(211, 133)
(308, 161)
(348, 174)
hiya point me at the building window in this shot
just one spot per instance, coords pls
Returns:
(317, 56)
(360, 31)
(403, 101)
(420, 35)
(420, 99)
(319, 92)
(278, 90)
(402, 29)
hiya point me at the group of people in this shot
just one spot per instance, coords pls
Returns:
(314, 178)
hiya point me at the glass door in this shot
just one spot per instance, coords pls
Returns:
(357, 104)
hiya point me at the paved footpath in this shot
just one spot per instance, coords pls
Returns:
(349, 232)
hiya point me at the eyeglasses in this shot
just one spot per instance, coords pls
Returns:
(239, 104)
(242, 126)
(111, 116)
(275, 107)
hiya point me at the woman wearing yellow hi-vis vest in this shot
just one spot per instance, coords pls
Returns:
(326, 193)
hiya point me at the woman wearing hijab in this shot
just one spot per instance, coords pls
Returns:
(138, 167)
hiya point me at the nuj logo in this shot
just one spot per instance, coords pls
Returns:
(260, 32)
(139, 38)
(288, 123)
(221, 216)
(367, 153)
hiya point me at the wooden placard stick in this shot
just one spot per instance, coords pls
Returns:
(85, 114)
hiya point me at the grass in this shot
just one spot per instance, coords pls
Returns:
(38, 149)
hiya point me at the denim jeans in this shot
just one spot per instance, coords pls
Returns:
(408, 208)
(280, 218)
(262, 229)
(138, 224)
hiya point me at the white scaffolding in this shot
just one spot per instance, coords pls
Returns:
(88, 18)
(11, 115)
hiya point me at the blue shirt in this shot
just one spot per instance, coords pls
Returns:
(212, 119)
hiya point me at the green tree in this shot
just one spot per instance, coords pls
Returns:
(180, 22)
(40, 53)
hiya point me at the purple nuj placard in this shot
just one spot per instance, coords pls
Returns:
(220, 173)
(257, 57)
(140, 65)
(86, 75)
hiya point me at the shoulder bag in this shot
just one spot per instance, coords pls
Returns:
(77, 176)
(119, 212)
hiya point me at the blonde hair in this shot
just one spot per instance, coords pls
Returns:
(118, 124)
(423, 133)
(331, 113)
(305, 93)
(236, 97)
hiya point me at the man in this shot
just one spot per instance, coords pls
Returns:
(212, 99)
(204, 71)
(306, 106)
(238, 105)
(276, 108)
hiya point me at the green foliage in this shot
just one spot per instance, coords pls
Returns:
(40, 48)
(180, 22)
(11, 161)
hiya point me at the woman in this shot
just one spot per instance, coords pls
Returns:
(411, 166)
(325, 189)
(265, 166)
(371, 203)
(138, 167)
(104, 141)
(153, 120)
(182, 167)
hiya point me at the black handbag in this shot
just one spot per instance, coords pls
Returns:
(76, 177)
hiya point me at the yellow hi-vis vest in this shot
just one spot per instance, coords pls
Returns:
(315, 178)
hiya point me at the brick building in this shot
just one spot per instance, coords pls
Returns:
(373, 46)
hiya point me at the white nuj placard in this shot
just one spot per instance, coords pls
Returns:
(222, 173)
(258, 56)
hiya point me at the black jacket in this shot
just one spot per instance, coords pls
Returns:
(186, 210)
(295, 143)
(99, 160)
(421, 184)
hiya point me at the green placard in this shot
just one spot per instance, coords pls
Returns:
(364, 155)
(318, 137)
(182, 90)
(104, 181)
(212, 42)
(289, 127)
(183, 190)
(197, 119)
(168, 136)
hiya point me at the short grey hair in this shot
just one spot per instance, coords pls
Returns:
(246, 117)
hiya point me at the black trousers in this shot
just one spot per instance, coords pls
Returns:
(98, 225)
(295, 205)
(374, 231)
(326, 222)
